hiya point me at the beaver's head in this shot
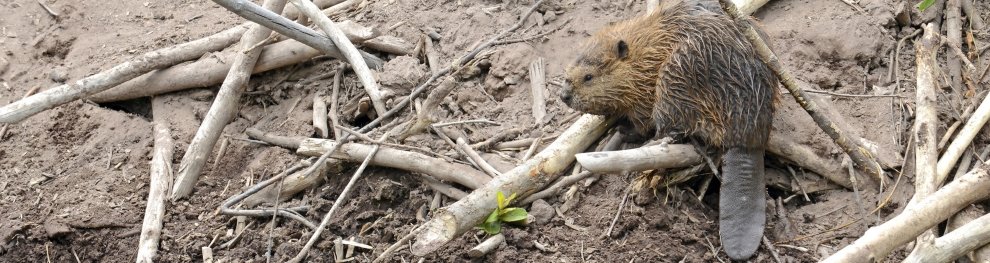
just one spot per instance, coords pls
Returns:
(597, 81)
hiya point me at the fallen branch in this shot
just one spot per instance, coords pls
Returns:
(21, 109)
(161, 177)
(963, 140)
(286, 27)
(277, 140)
(320, 116)
(955, 244)
(680, 155)
(925, 126)
(443, 188)
(223, 109)
(487, 246)
(524, 180)
(953, 35)
(293, 184)
(424, 117)
(211, 70)
(476, 158)
(3, 128)
(860, 156)
(403, 160)
(640, 159)
(803, 156)
(749, 7)
(538, 87)
(880, 240)
(227, 207)
(351, 53)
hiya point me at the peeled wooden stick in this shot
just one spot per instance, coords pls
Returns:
(352, 54)
(860, 156)
(925, 124)
(409, 161)
(749, 7)
(161, 177)
(803, 156)
(880, 240)
(963, 139)
(681, 155)
(320, 116)
(134, 67)
(3, 128)
(953, 35)
(286, 27)
(424, 117)
(640, 159)
(477, 158)
(958, 226)
(294, 183)
(486, 246)
(128, 70)
(210, 71)
(224, 108)
(524, 180)
(538, 86)
(955, 244)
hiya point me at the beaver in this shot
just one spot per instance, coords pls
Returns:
(687, 69)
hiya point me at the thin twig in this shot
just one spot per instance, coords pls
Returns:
(524, 39)
(336, 204)
(478, 121)
(618, 213)
(334, 104)
(476, 158)
(271, 229)
(853, 95)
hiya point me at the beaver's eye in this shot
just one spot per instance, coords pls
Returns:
(587, 77)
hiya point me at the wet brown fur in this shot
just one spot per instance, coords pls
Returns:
(687, 70)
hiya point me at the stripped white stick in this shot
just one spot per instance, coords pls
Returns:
(880, 240)
(134, 67)
(640, 159)
(161, 177)
(347, 48)
(926, 122)
(224, 107)
(538, 86)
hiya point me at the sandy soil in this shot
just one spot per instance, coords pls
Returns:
(73, 180)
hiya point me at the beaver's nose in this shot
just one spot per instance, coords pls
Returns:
(566, 94)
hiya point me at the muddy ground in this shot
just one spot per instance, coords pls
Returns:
(74, 179)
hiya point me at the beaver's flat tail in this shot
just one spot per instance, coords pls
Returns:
(742, 202)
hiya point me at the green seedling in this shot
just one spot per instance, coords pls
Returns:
(503, 213)
(925, 4)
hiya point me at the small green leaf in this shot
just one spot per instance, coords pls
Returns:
(493, 217)
(513, 214)
(492, 228)
(501, 200)
(925, 4)
(511, 197)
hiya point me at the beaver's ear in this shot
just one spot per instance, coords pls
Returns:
(621, 49)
